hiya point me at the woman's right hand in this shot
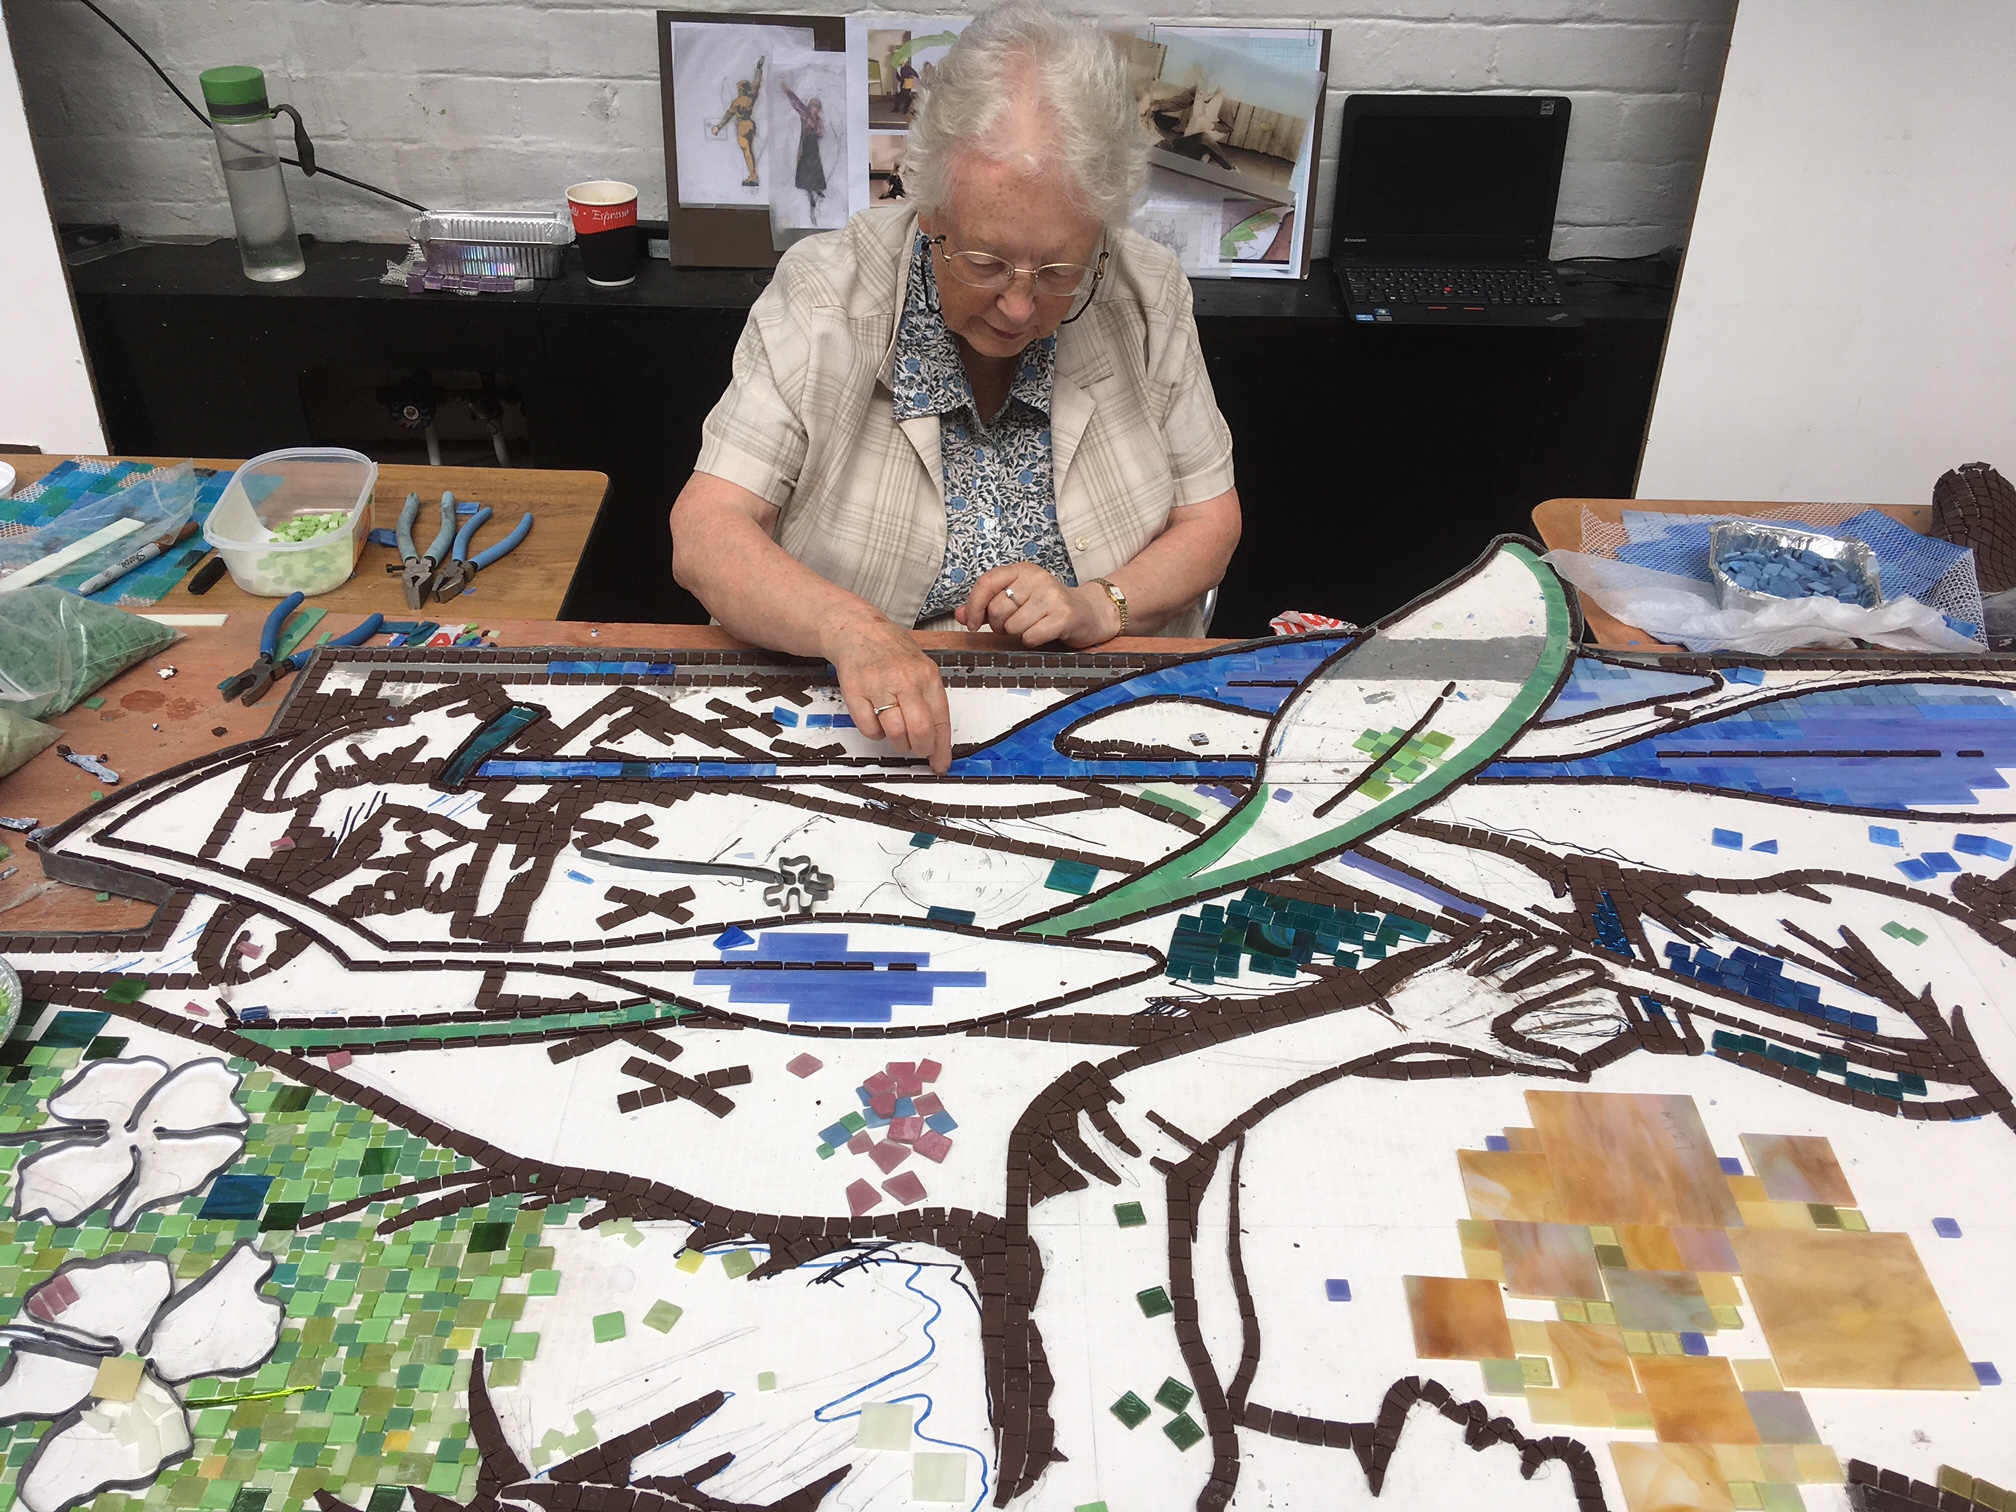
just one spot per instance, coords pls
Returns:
(892, 689)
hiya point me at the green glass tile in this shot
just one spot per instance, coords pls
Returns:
(1182, 1431)
(1174, 1394)
(738, 1263)
(1503, 1378)
(250, 1499)
(1129, 1214)
(544, 1283)
(1131, 1410)
(608, 1327)
(662, 1315)
(1154, 1302)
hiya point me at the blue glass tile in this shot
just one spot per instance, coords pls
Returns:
(835, 1135)
(829, 993)
(1982, 845)
(1769, 847)
(949, 915)
(1946, 1228)
(941, 1122)
(733, 937)
(1731, 1166)
(1497, 1142)
(906, 1107)
(1750, 675)
(786, 717)
(1986, 1373)
(72, 1030)
(1939, 861)
(1882, 834)
(1693, 1343)
(1727, 839)
(1337, 1289)
(236, 1196)
(1916, 870)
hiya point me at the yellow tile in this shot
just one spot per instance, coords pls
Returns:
(1637, 1343)
(399, 1441)
(1776, 1215)
(1852, 1220)
(1745, 1495)
(1739, 1462)
(1590, 1409)
(691, 1260)
(1477, 1233)
(213, 1466)
(1589, 1358)
(118, 1378)
(462, 1338)
(1549, 1405)
(1571, 1310)
(1780, 1463)
(1747, 1189)
(1536, 1371)
(1602, 1233)
(1719, 1290)
(1670, 1478)
(1667, 1344)
(1757, 1375)
(1631, 1410)
(1604, 1313)
(1818, 1465)
(1959, 1482)
(1529, 1337)
(1483, 1264)
(1726, 1317)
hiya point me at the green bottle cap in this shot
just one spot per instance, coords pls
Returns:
(237, 90)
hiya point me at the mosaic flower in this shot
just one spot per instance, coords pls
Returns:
(131, 1135)
(100, 1348)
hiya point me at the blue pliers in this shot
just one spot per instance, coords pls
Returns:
(252, 684)
(420, 569)
(462, 567)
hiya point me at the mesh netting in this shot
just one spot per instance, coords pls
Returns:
(1932, 571)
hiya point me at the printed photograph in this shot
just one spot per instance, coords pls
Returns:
(721, 119)
(806, 151)
(1253, 232)
(1220, 116)
(886, 151)
(902, 61)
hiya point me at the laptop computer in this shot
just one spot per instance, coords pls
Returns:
(1445, 209)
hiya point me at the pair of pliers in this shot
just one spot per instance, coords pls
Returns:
(419, 569)
(251, 685)
(462, 567)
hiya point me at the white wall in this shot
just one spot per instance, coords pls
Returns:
(499, 104)
(45, 387)
(1846, 321)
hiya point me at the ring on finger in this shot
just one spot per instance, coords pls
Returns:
(1011, 595)
(884, 708)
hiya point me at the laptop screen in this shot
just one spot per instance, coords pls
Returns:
(1435, 175)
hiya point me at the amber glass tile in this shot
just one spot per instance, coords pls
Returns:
(1850, 1310)
(1457, 1319)
(1590, 1358)
(1694, 1400)
(1670, 1478)
(1622, 1157)
(1549, 1260)
(1503, 1184)
(1798, 1168)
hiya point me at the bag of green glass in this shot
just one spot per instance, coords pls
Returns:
(21, 738)
(59, 647)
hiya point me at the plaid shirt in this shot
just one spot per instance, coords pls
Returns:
(809, 422)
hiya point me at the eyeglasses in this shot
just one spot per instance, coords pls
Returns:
(983, 270)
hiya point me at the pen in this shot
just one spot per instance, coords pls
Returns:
(118, 569)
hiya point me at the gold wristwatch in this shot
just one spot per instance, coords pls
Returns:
(1119, 601)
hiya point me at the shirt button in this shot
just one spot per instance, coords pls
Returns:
(1084, 543)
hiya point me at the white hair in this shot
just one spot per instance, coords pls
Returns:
(1023, 54)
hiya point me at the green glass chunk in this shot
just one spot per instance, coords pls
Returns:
(1174, 1394)
(1183, 1431)
(1131, 1410)
(661, 1315)
(1129, 1214)
(738, 1263)
(1154, 1302)
(609, 1327)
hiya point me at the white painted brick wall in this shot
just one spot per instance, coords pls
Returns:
(499, 104)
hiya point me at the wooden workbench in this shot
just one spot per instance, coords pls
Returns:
(1559, 523)
(529, 584)
(149, 722)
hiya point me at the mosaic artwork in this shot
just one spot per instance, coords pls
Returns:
(1433, 1063)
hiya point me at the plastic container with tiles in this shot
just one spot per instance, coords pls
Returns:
(296, 486)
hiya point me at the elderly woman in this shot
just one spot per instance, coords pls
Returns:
(989, 410)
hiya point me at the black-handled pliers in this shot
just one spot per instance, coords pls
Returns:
(462, 567)
(252, 684)
(419, 568)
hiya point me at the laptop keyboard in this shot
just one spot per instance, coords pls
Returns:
(1485, 285)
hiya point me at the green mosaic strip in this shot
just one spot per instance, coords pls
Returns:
(314, 1041)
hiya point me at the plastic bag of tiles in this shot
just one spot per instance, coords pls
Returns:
(58, 647)
(1679, 609)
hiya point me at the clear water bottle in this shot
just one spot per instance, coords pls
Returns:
(243, 122)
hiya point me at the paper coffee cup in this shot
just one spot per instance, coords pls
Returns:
(605, 229)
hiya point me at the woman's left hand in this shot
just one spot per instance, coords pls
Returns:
(1025, 602)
